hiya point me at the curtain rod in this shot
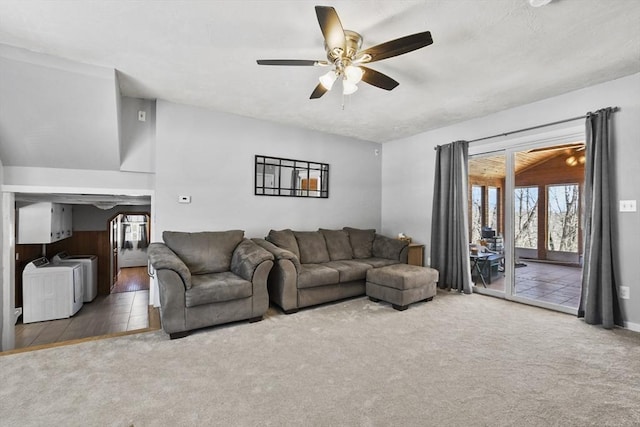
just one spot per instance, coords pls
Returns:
(613, 109)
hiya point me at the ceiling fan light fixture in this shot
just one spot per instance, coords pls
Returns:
(348, 87)
(539, 3)
(354, 74)
(328, 79)
(342, 48)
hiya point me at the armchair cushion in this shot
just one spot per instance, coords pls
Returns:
(361, 241)
(338, 244)
(217, 287)
(204, 252)
(284, 239)
(313, 247)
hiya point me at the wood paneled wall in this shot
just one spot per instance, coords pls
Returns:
(81, 243)
(552, 171)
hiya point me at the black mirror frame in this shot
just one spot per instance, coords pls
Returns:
(300, 183)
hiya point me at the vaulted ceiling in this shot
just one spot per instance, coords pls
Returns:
(487, 55)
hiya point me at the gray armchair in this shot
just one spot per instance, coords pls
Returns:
(209, 278)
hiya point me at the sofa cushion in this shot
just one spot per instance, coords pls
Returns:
(204, 252)
(361, 241)
(379, 262)
(350, 270)
(338, 244)
(312, 275)
(313, 247)
(217, 287)
(284, 239)
(386, 247)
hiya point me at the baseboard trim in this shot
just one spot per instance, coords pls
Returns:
(632, 326)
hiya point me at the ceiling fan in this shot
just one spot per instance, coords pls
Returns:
(346, 59)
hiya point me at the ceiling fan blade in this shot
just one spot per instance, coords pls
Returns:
(295, 62)
(331, 27)
(318, 91)
(397, 47)
(377, 79)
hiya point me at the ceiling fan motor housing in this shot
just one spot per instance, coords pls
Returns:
(342, 59)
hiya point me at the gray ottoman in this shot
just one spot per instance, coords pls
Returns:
(401, 284)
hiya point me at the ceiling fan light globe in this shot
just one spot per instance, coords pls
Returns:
(348, 87)
(328, 79)
(539, 3)
(353, 74)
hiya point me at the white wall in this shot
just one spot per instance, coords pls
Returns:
(210, 157)
(137, 137)
(52, 107)
(408, 166)
(4, 335)
(76, 178)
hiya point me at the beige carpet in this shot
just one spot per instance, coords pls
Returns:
(460, 360)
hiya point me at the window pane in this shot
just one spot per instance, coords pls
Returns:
(476, 212)
(492, 214)
(562, 217)
(526, 217)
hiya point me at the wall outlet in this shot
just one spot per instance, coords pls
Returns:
(624, 292)
(627, 206)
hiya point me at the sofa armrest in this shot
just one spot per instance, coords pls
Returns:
(279, 253)
(163, 258)
(386, 247)
(247, 257)
(283, 278)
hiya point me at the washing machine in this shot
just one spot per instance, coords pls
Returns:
(89, 268)
(51, 291)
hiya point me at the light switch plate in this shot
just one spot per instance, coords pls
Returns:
(184, 199)
(628, 206)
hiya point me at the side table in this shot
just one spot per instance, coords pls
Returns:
(416, 254)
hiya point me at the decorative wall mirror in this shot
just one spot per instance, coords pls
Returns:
(275, 176)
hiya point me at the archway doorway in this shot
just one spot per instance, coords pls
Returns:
(129, 238)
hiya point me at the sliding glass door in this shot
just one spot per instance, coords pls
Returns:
(525, 222)
(547, 226)
(486, 229)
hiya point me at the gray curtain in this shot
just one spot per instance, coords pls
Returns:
(599, 299)
(449, 222)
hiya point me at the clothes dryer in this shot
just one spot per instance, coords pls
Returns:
(51, 291)
(89, 268)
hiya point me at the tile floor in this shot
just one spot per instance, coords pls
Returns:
(556, 284)
(117, 312)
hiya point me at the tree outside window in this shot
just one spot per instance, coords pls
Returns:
(562, 217)
(476, 212)
(492, 214)
(526, 217)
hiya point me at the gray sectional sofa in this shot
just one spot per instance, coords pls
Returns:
(314, 267)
